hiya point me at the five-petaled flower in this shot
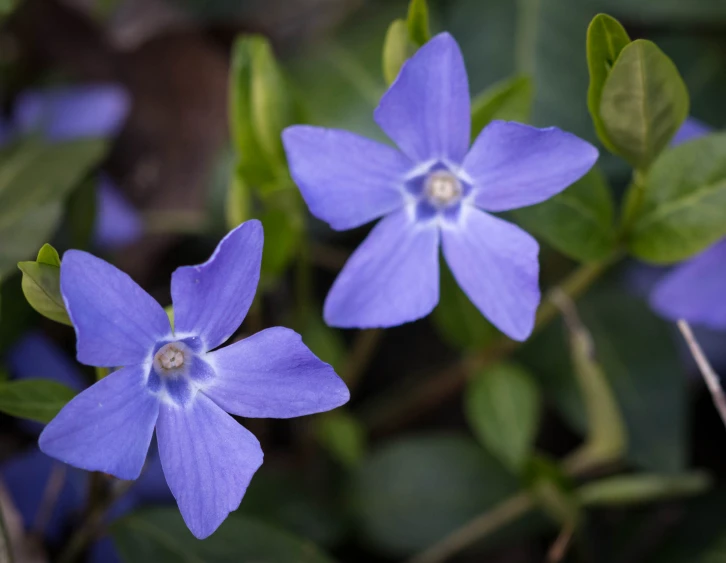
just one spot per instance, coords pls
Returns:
(434, 190)
(178, 381)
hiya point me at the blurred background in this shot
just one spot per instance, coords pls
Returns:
(149, 85)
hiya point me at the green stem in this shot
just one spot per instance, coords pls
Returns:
(404, 404)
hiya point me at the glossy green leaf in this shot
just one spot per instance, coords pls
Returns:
(579, 221)
(34, 174)
(41, 285)
(605, 39)
(260, 108)
(642, 487)
(418, 22)
(160, 536)
(644, 102)
(34, 399)
(508, 100)
(683, 203)
(414, 491)
(397, 48)
(636, 353)
(342, 435)
(502, 405)
(457, 320)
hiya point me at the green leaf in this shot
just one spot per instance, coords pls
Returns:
(605, 39)
(34, 399)
(260, 108)
(636, 352)
(414, 491)
(238, 205)
(34, 174)
(641, 488)
(553, 490)
(579, 221)
(683, 202)
(41, 285)
(160, 536)
(509, 100)
(342, 435)
(456, 318)
(502, 407)
(283, 224)
(644, 102)
(81, 213)
(397, 48)
(418, 22)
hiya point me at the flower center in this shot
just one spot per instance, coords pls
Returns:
(442, 188)
(169, 357)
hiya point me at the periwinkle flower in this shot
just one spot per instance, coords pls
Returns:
(178, 381)
(434, 190)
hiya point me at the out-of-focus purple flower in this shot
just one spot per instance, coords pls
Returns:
(179, 381)
(48, 494)
(691, 129)
(117, 222)
(435, 190)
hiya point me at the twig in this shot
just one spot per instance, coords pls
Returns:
(559, 549)
(709, 375)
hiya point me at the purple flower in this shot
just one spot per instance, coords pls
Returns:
(434, 190)
(691, 129)
(178, 382)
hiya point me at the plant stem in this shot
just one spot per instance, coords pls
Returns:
(709, 375)
(504, 513)
(360, 356)
(404, 404)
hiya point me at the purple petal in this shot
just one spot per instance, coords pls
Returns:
(495, 263)
(29, 477)
(691, 129)
(117, 221)
(6, 130)
(36, 355)
(273, 375)
(208, 459)
(514, 165)
(426, 111)
(392, 278)
(117, 323)
(108, 427)
(211, 300)
(71, 113)
(696, 290)
(345, 179)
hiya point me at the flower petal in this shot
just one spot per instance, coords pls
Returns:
(691, 129)
(117, 222)
(212, 299)
(392, 278)
(36, 355)
(117, 323)
(345, 179)
(71, 113)
(208, 459)
(272, 374)
(426, 111)
(107, 427)
(514, 165)
(696, 290)
(495, 263)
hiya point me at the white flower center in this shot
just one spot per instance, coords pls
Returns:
(169, 357)
(442, 188)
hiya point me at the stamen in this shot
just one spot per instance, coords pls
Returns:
(169, 357)
(442, 188)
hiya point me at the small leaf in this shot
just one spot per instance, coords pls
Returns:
(502, 407)
(160, 535)
(457, 320)
(397, 48)
(579, 221)
(644, 102)
(641, 488)
(683, 203)
(508, 100)
(553, 490)
(605, 39)
(34, 399)
(41, 285)
(342, 435)
(418, 22)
